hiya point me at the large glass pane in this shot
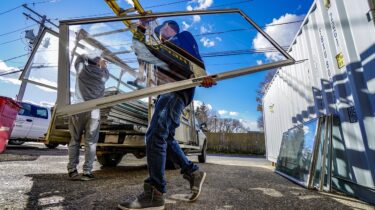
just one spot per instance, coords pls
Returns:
(318, 167)
(296, 152)
(215, 44)
(42, 76)
(43, 68)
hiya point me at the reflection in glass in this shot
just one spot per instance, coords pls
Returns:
(223, 42)
(296, 152)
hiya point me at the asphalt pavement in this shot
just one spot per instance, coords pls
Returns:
(34, 177)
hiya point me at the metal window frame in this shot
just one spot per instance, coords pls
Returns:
(63, 97)
(24, 77)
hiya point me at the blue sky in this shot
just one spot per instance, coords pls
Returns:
(231, 98)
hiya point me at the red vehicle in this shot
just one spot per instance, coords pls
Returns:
(8, 113)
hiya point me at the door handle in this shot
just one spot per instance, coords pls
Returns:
(29, 120)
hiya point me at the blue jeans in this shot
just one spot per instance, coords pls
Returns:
(160, 140)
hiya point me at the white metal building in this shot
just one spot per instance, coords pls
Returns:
(337, 43)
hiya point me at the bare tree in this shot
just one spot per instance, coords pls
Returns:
(260, 94)
(215, 123)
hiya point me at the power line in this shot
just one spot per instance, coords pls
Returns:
(166, 4)
(19, 6)
(238, 2)
(12, 72)
(10, 41)
(245, 29)
(20, 29)
(2, 13)
(9, 59)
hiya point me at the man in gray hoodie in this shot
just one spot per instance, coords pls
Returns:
(90, 84)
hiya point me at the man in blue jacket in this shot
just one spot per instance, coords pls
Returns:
(165, 120)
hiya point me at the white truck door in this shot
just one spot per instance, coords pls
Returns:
(41, 118)
(23, 122)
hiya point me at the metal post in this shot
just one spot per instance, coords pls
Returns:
(63, 81)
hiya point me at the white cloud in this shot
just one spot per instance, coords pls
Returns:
(205, 29)
(44, 81)
(222, 112)
(11, 78)
(115, 40)
(250, 125)
(185, 26)
(200, 4)
(196, 18)
(218, 39)
(189, 8)
(198, 103)
(207, 42)
(130, 2)
(259, 62)
(233, 114)
(283, 35)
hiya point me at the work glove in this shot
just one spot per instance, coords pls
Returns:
(208, 82)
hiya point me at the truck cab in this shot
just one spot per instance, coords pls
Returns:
(31, 123)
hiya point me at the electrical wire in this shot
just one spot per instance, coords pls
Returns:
(10, 41)
(12, 72)
(10, 10)
(19, 6)
(246, 29)
(233, 3)
(166, 4)
(20, 29)
(13, 58)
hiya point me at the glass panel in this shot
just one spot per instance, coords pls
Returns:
(296, 152)
(40, 95)
(316, 181)
(43, 68)
(215, 44)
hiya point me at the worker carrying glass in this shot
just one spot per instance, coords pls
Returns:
(166, 118)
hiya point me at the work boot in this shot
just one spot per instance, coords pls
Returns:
(87, 177)
(150, 199)
(196, 180)
(73, 175)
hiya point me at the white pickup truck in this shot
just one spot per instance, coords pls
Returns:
(31, 124)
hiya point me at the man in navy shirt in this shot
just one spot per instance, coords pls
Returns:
(160, 134)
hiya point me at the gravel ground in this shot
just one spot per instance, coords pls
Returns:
(34, 177)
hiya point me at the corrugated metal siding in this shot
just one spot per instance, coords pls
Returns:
(320, 86)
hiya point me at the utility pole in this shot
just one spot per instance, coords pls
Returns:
(41, 22)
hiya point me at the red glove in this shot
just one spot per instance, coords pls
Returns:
(208, 82)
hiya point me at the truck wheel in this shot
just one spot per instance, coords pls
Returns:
(52, 145)
(15, 142)
(109, 160)
(202, 156)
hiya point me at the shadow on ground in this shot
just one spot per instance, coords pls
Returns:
(30, 152)
(226, 187)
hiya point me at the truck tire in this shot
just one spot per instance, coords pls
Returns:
(109, 160)
(15, 142)
(52, 145)
(203, 155)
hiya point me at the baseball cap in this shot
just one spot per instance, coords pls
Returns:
(173, 24)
